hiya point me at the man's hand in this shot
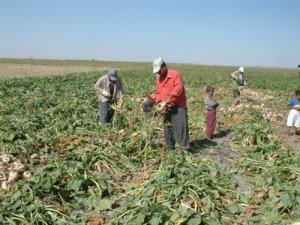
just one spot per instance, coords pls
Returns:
(105, 93)
(160, 106)
(119, 103)
(169, 99)
(233, 76)
(297, 107)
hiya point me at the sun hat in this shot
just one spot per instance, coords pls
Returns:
(157, 64)
(241, 69)
(112, 74)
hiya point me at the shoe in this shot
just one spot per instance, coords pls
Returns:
(192, 149)
(291, 133)
(209, 142)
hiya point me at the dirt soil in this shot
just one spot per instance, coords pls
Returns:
(25, 70)
(221, 151)
(292, 141)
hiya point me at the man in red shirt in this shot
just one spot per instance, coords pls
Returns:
(170, 97)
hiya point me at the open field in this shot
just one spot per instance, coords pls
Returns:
(31, 67)
(83, 173)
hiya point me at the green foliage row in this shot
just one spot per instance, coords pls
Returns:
(56, 117)
(275, 168)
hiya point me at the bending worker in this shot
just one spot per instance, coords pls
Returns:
(109, 87)
(239, 77)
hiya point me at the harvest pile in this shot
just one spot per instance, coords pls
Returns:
(83, 173)
(257, 95)
(11, 171)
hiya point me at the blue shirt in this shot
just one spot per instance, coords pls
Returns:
(294, 102)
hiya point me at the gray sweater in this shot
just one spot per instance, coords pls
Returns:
(103, 85)
(210, 103)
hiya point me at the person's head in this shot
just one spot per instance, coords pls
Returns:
(210, 90)
(112, 75)
(297, 94)
(241, 69)
(160, 67)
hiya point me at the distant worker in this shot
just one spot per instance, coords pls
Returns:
(211, 115)
(299, 71)
(109, 86)
(171, 100)
(293, 120)
(239, 77)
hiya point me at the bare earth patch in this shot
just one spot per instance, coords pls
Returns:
(25, 70)
(289, 140)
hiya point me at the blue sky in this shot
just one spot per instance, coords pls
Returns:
(217, 32)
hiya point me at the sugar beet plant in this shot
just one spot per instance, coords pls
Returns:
(275, 168)
(120, 173)
(174, 195)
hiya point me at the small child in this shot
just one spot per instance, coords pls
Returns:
(211, 114)
(293, 121)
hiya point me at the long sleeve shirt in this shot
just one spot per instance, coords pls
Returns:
(210, 103)
(172, 85)
(103, 84)
(239, 77)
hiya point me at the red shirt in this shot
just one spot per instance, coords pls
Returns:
(171, 84)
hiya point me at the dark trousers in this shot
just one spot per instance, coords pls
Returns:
(176, 128)
(106, 113)
(211, 122)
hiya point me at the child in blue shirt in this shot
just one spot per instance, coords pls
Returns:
(293, 121)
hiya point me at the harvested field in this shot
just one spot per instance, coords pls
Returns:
(78, 172)
(27, 70)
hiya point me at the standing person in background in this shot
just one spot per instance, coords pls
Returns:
(211, 114)
(171, 100)
(239, 77)
(109, 86)
(293, 120)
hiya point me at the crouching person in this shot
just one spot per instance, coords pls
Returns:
(110, 87)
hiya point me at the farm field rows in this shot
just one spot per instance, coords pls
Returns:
(83, 173)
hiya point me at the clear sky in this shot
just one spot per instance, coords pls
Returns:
(217, 32)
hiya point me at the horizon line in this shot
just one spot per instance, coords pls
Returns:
(150, 62)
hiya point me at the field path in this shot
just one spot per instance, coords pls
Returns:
(291, 141)
(221, 151)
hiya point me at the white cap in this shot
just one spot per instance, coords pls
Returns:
(157, 64)
(241, 69)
